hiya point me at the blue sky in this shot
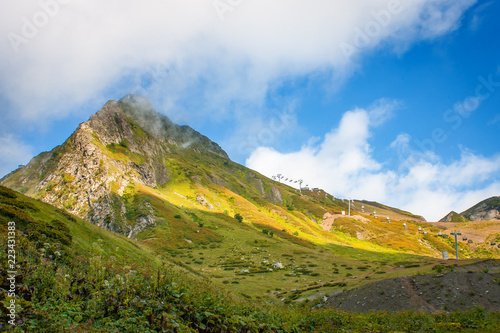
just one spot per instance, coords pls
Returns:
(388, 100)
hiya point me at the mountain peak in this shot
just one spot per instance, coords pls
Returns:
(124, 145)
(120, 120)
(486, 210)
(138, 102)
(453, 217)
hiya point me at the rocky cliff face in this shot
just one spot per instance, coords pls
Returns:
(125, 143)
(487, 210)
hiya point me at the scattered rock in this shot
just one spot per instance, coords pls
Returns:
(278, 265)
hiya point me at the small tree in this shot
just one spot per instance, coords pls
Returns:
(238, 217)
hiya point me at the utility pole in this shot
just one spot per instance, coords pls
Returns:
(349, 206)
(456, 242)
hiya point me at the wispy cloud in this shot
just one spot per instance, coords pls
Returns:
(343, 164)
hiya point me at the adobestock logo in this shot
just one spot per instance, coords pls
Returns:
(453, 118)
(223, 7)
(31, 26)
(372, 29)
(267, 134)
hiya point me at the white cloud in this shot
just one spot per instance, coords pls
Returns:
(401, 142)
(343, 165)
(83, 49)
(13, 153)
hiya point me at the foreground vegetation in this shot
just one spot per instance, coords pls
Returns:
(97, 293)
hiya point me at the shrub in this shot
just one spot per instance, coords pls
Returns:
(238, 217)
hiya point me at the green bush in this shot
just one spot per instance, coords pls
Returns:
(238, 217)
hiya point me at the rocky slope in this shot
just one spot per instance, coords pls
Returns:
(486, 210)
(125, 143)
(459, 290)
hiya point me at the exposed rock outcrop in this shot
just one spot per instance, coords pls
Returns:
(486, 210)
(123, 145)
(202, 201)
(275, 195)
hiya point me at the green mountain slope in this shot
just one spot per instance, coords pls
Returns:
(453, 217)
(41, 224)
(70, 274)
(132, 171)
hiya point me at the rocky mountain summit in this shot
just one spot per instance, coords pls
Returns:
(486, 210)
(125, 143)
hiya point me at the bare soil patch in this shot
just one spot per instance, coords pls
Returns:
(329, 219)
(478, 231)
(463, 289)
